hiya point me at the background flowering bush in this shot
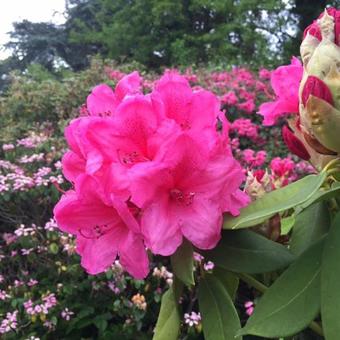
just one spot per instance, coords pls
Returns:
(43, 290)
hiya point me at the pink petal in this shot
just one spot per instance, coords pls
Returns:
(160, 227)
(73, 214)
(73, 165)
(97, 254)
(125, 214)
(272, 111)
(133, 256)
(204, 110)
(129, 84)
(102, 101)
(176, 95)
(235, 201)
(202, 222)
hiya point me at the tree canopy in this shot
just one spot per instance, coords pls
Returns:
(160, 33)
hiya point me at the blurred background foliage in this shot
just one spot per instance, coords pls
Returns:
(159, 33)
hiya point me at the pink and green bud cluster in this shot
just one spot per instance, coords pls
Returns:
(319, 92)
(310, 93)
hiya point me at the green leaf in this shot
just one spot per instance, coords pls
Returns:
(244, 251)
(310, 225)
(219, 316)
(229, 280)
(168, 323)
(330, 278)
(321, 195)
(292, 302)
(287, 224)
(275, 202)
(183, 263)
(101, 324)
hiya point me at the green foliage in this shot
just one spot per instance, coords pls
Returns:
(292, 302)
(39, 98)
(168, 324)
(182, 32)
(161, 33)
(310, 225)
(183, 263)
(276, 201)
(245, 251)
(219, 316)
(330, 276)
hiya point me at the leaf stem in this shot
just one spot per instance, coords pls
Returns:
(251, 281)
(314, 326)
(331, 164)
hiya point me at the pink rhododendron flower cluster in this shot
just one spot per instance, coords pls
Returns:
(254, 159)
(245, 128)
(148, 171)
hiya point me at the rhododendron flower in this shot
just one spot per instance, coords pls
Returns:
(187, 197)
(264, 73)
(248, 106)
(282, 166)
(148, 170)
(100, 230)
(229, 98)
(285, 82)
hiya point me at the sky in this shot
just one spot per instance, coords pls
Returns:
(32, 10)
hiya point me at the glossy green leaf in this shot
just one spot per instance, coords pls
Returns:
(168, 323)
(310, 225)
(330, 279)
(244, 251)
(219, 316)
(321, 195)
(292, 302)
(229, 280)
(275, 202)
(183, 263)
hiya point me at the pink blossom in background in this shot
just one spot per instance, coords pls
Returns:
(264, 73)
(66, 314)
(229, 98)
(192, 319)
(282, 166)
(148, 169)
(285, 81)
(249, 306)
(282, 171)
(254, 159)
(248, 106)
(245, 127)
(9, 323)
(8, 147)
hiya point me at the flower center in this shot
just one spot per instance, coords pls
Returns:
(96, 232)
(181, 197)
(130, 158)
(185, 125)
